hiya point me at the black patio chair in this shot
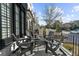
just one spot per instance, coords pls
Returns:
(52, 44)
(23, 45)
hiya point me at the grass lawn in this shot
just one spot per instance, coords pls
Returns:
(69, 46)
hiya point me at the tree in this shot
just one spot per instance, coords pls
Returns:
(58, 25)
(50, 14)
(44, 32)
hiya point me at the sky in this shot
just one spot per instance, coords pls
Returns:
(70, 11)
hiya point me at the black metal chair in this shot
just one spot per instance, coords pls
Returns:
(23, 45)
(52, 44)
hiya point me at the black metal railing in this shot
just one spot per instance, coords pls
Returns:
(73, 39)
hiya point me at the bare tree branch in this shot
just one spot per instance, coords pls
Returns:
(50, 14)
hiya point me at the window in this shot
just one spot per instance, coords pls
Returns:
(17, 19)
(22, 23)
(5, 18)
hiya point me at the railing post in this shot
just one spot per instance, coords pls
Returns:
(77, 45)
(73, 46)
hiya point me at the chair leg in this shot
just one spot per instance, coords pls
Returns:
(20, 51)
(46, 50)
(31, 48)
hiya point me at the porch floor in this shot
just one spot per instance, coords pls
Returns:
(39, 51)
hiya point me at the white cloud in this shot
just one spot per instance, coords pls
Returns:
(72, 10)
(67, 15)
(72, 15)
(42, 22)
(75, 8)
(66, 19)
(32, 7)
(39, 13)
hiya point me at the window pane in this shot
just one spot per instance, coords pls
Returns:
(5, 18)
(17, 20)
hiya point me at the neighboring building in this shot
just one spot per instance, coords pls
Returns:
(41, 31)
(35, 24)
(12, 20)
(32, 23)
(29, 17)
